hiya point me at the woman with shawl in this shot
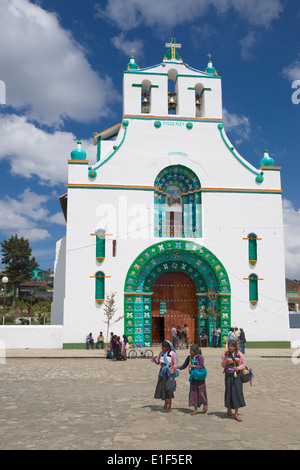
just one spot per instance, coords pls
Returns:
(233, 362)
(167, 359)
(197, 395)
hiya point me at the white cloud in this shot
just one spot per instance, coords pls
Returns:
(45, 70)
(58, 218)
(27, 215)
(170, 13)
(247, 43)
(35, 152)
(291, 222)
(22, 216)
(238, 125)
(292, 71)
(257, 12)
(126, 46)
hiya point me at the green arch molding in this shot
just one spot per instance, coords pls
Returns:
(198, 262)
(93, 170)
(259, 175)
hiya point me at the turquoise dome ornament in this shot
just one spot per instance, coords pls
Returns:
(132, 65)
(266, 160)
(210, 68)
(79, 153)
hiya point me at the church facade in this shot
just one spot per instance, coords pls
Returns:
(172, 219)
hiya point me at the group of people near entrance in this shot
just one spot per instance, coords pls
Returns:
(238, 335)
(180, 335)
(117, 348)
(232, 363)
(235, 333)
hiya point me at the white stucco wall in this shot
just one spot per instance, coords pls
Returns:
(31, 337)
(57, 306)
(120, 200)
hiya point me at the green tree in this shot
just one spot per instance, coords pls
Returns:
(18, 262)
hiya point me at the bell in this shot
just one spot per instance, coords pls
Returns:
(145, 101)
(172, 102)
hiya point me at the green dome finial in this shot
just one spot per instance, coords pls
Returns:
(210, 69)
(132, 64)
(267, 160)
(79, 153)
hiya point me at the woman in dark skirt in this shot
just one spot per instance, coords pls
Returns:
(161, 392)
(233, 362)
(197, 395)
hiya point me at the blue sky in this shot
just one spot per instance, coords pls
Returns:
(63, 61)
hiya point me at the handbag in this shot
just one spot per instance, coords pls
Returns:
(246, 375)
(198, 374)
(171, 384)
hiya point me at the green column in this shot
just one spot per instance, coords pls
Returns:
(185, 215)
(198, 210)
(99, 148)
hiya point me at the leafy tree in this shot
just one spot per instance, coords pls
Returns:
(18, 262)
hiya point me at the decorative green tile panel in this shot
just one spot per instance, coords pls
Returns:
(198, 262)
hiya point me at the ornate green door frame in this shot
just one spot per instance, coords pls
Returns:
(195, 260)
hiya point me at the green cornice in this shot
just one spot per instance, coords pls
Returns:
(78, 162)
(171, 118)
(152, 188)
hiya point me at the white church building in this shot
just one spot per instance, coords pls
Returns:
(170, 217)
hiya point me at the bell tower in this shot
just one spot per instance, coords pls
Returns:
(172, 88)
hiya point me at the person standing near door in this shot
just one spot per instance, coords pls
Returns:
(174, 336)
(217, 334)
(186, 332)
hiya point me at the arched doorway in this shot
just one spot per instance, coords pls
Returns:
(175, 256)
(174, 302)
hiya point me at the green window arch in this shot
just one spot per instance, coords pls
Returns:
(99, 286)
(177, 203)
(100, 245)
(252, 248)
(253, 289)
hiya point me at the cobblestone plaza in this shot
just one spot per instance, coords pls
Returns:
(65, 400)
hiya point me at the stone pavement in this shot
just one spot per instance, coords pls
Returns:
(76, 399)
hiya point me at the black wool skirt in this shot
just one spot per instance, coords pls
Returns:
(160, 391)
(234, 397)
